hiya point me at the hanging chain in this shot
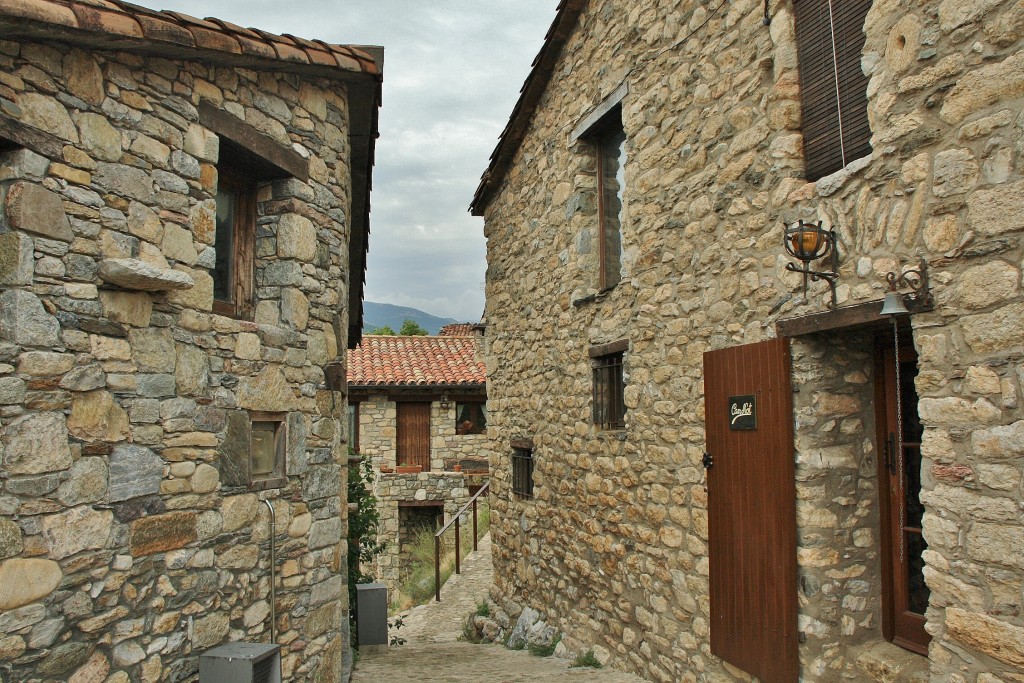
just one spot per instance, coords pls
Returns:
(899, 438)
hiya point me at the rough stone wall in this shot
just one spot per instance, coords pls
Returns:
(613, 547)
(837, 511)
(124, 555)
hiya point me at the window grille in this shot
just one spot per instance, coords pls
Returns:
(609, 408)
(522, 472)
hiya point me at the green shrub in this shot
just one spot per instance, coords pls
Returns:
(483, 609)
(587, 659)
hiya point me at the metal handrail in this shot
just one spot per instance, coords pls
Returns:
(458, 540)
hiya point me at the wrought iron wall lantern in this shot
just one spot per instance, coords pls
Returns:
(445, 401)
(809, 242)
(917, 280)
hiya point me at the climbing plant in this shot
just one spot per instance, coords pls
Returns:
(363, 523)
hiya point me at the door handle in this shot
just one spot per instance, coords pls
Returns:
(709, 461)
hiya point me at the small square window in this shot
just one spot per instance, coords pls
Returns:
(609, 408)
(471, 418)
(522, 472)
(267, 446)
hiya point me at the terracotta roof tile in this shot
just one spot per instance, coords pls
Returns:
(153, 28)
(166, 31)
(39, 10)
(415, 361)
(215, 40)
(458, 330)
(104, 21)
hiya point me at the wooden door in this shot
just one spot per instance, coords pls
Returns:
(748, 406)
(413, 435)
(904, 591)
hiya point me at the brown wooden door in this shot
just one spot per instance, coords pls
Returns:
(413, 437)
(748, 405)
(905, 593)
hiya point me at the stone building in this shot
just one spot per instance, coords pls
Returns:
(859, 515)
(183, 222)
(417, 409)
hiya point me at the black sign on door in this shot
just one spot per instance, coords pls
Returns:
(742, 412)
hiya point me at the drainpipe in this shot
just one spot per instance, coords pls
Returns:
(273, 565)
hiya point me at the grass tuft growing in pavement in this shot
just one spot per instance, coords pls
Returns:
(587, 659)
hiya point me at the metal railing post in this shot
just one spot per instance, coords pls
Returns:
(458, 544)
(474, 525)
(437, 568)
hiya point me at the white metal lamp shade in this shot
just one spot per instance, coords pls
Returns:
(893, 304)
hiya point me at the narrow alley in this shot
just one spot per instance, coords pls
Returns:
(432, 651)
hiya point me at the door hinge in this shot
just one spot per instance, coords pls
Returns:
(709, 461)
(890, 453)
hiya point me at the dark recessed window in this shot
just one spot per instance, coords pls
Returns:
(609, 409)
(471, 418)
(611, 182)
(833, 87)
(235, 244)
(522, 472)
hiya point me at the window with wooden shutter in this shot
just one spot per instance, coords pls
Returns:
(833, 87)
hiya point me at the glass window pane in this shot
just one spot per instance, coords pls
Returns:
(264, 449)
(224, 245)
(612, 150)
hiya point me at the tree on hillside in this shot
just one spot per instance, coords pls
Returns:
(385, 330)
(411, 328)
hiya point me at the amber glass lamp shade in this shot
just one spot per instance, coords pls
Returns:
(807, 241)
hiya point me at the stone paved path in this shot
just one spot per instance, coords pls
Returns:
(432, 652)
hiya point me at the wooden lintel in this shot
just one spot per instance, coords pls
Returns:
(248, 138)
(39, 141)
(619, 346)
(421, 504)
(866, 315)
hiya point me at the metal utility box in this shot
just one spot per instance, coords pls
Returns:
(372, 614)
(241, 663)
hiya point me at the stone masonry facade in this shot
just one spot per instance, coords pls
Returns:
(125, 552)
(612, 548)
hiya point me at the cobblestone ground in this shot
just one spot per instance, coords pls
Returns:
(432, 651)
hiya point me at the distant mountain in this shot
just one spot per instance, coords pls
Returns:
(378, 315)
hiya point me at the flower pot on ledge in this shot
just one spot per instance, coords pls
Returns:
(408, 469)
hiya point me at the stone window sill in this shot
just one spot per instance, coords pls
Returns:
(887, 663)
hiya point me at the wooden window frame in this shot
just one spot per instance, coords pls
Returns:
(608, 385)
(833, 87)
(600, 124)
(279, 477)
(522, 463)
(242, 275)
(353, 437)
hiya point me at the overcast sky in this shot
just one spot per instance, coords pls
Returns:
(452, 73)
